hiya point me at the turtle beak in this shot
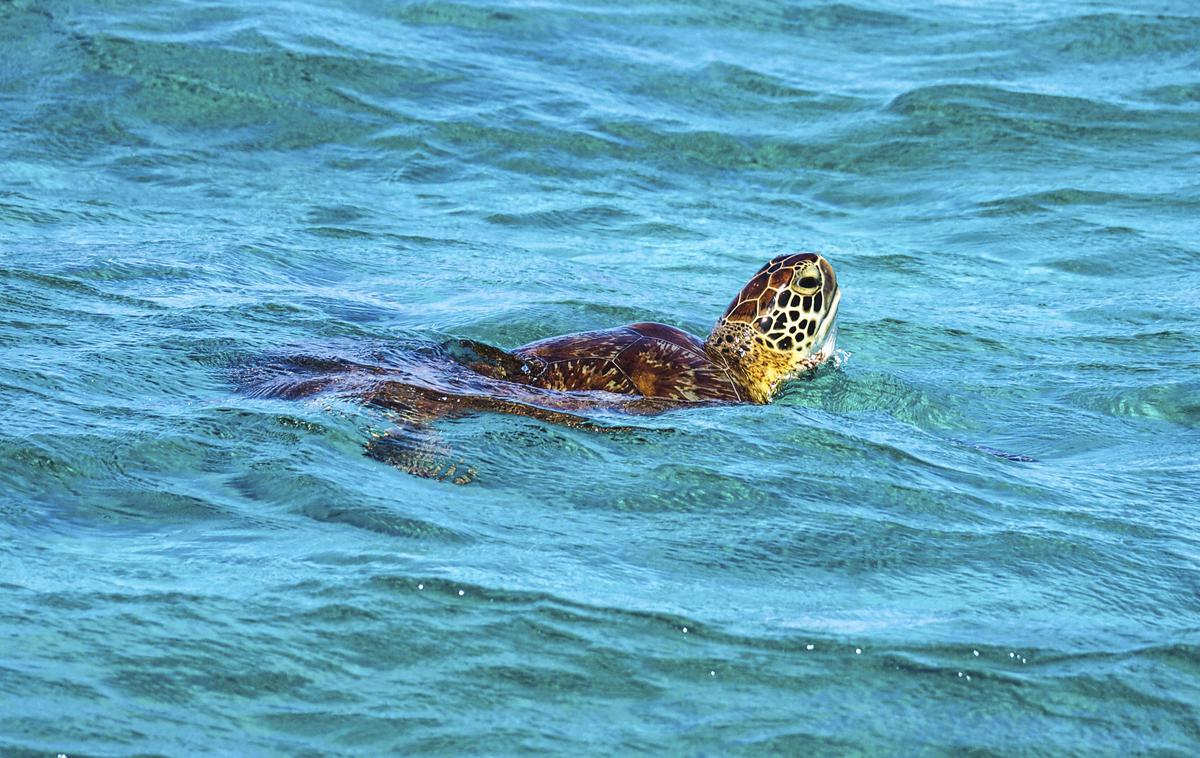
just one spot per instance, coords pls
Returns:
(826, 339)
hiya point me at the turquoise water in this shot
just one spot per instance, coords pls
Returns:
(1011, 197)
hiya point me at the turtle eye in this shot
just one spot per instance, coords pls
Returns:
(807, 283)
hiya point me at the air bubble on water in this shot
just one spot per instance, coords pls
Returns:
(975, 653)
(712, 673)
(960, 674)
(461, 593)
(808, 647)
(420, 586)
(685, 630)
(858, 651)
(1012, 655)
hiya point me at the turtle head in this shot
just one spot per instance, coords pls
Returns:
(781, 324)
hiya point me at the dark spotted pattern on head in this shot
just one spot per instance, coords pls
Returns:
(784, 300)
(744, 310)
(777, 324)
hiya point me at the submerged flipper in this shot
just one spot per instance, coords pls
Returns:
(460, 378)
(419, 452)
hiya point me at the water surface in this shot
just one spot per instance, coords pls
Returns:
(1009, 194)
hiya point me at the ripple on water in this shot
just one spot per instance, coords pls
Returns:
(1009, 196)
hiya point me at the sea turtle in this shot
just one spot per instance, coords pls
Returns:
(781, 324)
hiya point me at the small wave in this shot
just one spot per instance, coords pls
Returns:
(1067, 197)
(593, 217)
(1175, 403)
(841, 17)
(977, 108)
(384, 520)
(1174, 94)
(1104, 37)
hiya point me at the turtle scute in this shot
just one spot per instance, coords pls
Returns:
(646, 359)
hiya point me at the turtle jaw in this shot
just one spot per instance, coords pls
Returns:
(822, 346)
(825, 341)
(767, 370)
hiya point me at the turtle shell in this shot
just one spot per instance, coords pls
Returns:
(647, 359)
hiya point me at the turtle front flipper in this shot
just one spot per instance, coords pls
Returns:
(415, 447)
(419, 452)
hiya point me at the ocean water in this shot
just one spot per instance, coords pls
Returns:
(1010, 193)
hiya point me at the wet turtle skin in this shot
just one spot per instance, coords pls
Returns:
(778, 326)
(647, 359)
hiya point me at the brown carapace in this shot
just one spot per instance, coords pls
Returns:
(781, 324)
